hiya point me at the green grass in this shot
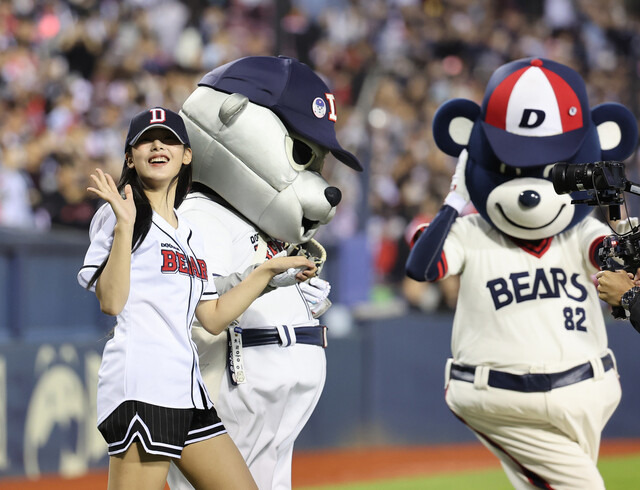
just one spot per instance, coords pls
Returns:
(619, 473)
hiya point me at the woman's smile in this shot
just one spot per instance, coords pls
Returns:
(159, 159)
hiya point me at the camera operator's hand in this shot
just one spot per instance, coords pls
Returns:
(613, 284)
(458, 196)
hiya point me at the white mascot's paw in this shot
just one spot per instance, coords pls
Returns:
(316, 293)
(312, 250)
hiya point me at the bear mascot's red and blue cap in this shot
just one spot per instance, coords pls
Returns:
(535, 113)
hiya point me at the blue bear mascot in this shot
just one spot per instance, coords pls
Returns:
(260, 128)
(531, 374)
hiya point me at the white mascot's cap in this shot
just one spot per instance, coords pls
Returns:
(307, 107)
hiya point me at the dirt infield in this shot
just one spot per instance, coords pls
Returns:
(348, 465)
(343, 466)
(330, 467)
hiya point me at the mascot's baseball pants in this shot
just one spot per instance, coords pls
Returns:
(264, 415)
(544, 439)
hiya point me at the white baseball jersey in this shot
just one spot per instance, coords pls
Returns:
(525, 308)
(151, 357)
(265, 414)
(520, 308)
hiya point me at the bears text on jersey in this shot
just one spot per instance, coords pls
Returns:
(523, 286)
(173, 261)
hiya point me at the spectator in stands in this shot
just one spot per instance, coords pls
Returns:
(15, 205)
(68, 206)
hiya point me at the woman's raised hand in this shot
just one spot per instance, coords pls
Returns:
(105, 188)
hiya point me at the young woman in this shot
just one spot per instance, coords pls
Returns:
(143, 264)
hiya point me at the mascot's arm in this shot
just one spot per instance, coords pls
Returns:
(225, 283)
(284, 279)
(427, 260)
(315, 290)
(594, 254)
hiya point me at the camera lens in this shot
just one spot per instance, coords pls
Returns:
(570, 177)
(558, 177)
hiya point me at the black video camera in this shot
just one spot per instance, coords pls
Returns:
(605, 183)
(620, 252)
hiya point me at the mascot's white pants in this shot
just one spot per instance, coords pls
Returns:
(265, 415)
(553, 435)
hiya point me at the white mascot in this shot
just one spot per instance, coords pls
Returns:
(260, 128)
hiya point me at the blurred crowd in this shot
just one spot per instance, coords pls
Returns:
(73, 72)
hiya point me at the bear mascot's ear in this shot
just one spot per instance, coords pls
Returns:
(452, 125)
(617, 130)
(231, 107)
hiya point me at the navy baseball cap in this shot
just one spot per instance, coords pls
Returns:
(535, 111)
(289, 88)
(157, 117)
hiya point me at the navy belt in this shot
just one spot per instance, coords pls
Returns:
(531, 383)
(312, 335)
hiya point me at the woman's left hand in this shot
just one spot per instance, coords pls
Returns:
(305, 269)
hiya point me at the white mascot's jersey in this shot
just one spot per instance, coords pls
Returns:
(518, 308)
(231, 244)
(282, 385)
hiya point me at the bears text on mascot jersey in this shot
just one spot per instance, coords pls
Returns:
(531, 373)
(260, 128)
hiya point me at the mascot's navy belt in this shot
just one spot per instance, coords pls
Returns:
(312, 335)
(282, 335)
(532, 383)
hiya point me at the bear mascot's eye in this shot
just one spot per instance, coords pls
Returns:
(304, 154)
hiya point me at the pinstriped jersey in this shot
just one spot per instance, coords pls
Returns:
(522, 306)
(151, 357)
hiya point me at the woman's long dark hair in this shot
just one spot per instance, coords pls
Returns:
(144, 213)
